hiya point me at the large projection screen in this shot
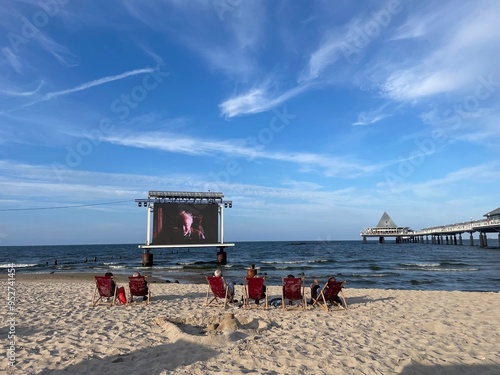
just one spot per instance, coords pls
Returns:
(179, 224)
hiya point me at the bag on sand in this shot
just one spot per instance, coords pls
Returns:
(121, 295)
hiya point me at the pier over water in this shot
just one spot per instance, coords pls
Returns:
(450, 234)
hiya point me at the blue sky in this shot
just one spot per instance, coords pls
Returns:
(313, 117)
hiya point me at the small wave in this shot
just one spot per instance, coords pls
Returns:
(301, 261)
(453, 264)
(20, 265)
(438, 269)
(283, 262)
(161, 268)
(417, 282)
(372, 275)
(420, 265)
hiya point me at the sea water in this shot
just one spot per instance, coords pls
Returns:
(413, 266)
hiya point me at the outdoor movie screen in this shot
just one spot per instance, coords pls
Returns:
(180, 223)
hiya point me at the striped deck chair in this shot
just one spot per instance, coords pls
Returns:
(255, 289)
(104, 291)
(331, 295)
(218, 290)
(293, 290)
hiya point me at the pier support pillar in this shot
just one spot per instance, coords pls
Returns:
(485, 239)
(471, 240)
(426, 238)
(447, 240)
(455, 239)
(460, 239)
(381, 240)
(364, 239)
(481, 239)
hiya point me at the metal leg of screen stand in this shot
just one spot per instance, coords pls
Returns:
(221, 256)
(147, 258)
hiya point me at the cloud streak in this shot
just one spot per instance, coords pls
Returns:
(257, 100)
(448, 51)
(307, 162)
(84, 86)
(97, 82)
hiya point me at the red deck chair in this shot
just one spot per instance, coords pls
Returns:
(139, 287)
(293, 290)
(330, 295)
(219, 289)
(255, 289)
(105, 288)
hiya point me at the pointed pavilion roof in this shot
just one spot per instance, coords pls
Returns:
(493, 213)
(386, 222)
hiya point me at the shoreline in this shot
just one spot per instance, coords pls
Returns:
(413, 266)
(89, 277)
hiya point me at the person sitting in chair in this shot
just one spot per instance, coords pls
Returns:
(336, 299)
(314, 291)
(263, 294)
(290, 276)
(113, 285)
(137, 274)
(229, 284)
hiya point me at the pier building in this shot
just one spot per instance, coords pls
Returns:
(386, 227)
(449, 234)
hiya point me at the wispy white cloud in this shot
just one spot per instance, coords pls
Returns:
(97, 82)
(84, 86)
(62, 54)
(186, 23)
(21, 183)
(257, 100)
(22, 93)
(329, 52)
(316, 73)
(487, 172)
(376, 115)
(13, 59)
(330, 166)
(445, 53)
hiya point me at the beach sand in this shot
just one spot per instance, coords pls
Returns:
(383, 332)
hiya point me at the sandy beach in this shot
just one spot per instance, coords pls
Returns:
(57, 331)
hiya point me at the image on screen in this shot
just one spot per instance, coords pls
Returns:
(179, 224)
